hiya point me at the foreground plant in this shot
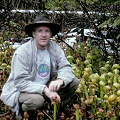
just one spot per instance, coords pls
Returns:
(56, 107)
(100, 91)
(77, 112)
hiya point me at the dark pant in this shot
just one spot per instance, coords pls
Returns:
(35, 101)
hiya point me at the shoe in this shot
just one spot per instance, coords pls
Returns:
(21, 111)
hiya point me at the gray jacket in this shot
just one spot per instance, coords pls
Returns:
(24, 69)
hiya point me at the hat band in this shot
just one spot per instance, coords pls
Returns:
(42, 22)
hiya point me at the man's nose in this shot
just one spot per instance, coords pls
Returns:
(43, 33)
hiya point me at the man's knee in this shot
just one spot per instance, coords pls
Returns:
(63, 92)
(33, 102)
(76, 82)
(38, 102)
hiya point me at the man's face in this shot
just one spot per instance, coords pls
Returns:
(42, 36)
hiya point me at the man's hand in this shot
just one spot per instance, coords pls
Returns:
(54, 86)
(52, 95)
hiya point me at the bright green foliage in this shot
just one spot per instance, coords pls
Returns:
(116, 22)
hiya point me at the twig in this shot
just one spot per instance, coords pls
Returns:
(47, 115)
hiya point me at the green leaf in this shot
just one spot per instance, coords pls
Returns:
(105, 23)
(116, 22)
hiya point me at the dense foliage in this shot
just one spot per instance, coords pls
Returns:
(101, 16)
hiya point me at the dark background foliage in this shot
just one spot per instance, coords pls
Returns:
(99, 15)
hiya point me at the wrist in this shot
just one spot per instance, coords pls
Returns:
(46, 91)
(61, 81)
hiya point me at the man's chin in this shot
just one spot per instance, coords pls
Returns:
(43, 46)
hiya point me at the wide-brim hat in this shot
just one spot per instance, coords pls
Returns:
(42, 20)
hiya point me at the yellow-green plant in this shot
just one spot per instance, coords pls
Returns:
(6, 53)
(56, 107)
(99, 88)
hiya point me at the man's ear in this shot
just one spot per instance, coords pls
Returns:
(33, 33)
(51, 34)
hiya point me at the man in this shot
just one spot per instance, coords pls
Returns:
(39, 69)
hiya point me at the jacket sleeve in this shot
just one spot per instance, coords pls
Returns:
(65, 71)
(23, 80)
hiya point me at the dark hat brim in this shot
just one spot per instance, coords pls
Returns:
(55, 28)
